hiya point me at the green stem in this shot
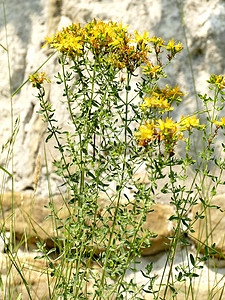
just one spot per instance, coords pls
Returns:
(121, 185)
(20, 87)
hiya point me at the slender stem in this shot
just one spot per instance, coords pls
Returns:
(188, 51)
(12, 124)
(121, 185)
(12, 225)
(25, 82)
(44, 105)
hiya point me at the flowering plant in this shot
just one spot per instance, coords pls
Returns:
(119, 124)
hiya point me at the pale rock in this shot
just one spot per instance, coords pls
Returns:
(34, 272)
(54, 14)
(37, 274)
(29, 23)
(4, 240)
(158, 222)
(160, 196)
(29, 214)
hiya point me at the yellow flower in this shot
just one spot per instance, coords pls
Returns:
(150, 69)
(174, 48)
(117, 42)
(120, 27)
(217, 80)
(69, 41)
(48, 40)
(169, 133)
(157, 41)
(172, 93)
(146, 132)
(38, 78)
(222, 123)
(187, 122)
(141, 39)
(167, 126)
(105, 35)
(156, 101)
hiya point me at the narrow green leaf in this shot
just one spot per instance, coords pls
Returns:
(192, 260)
(3, 47)
(3, 169)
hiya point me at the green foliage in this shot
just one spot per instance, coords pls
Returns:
(120, 123)
(106, 153)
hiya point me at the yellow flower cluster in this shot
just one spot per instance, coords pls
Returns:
(218, 81)
(142, 39)
(188, 122)
(157, 101)
(174, 48)
(166, 130)
(152, 70)
(147, 132)
(157, 41)
(162, 98)
(111, 43)
(172, 93)
(69, 41)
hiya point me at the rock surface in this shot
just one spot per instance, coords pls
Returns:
(33, 271)
(37, 274)
(204, 25)
(29, 214)
(154, 223)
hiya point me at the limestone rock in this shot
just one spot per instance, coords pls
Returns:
(30, 217)
(157, 222)
(4, 240)
(142, 177)
(28, 24)
(54, 14)
(210, 229)
(201, 292)
(33, 272)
